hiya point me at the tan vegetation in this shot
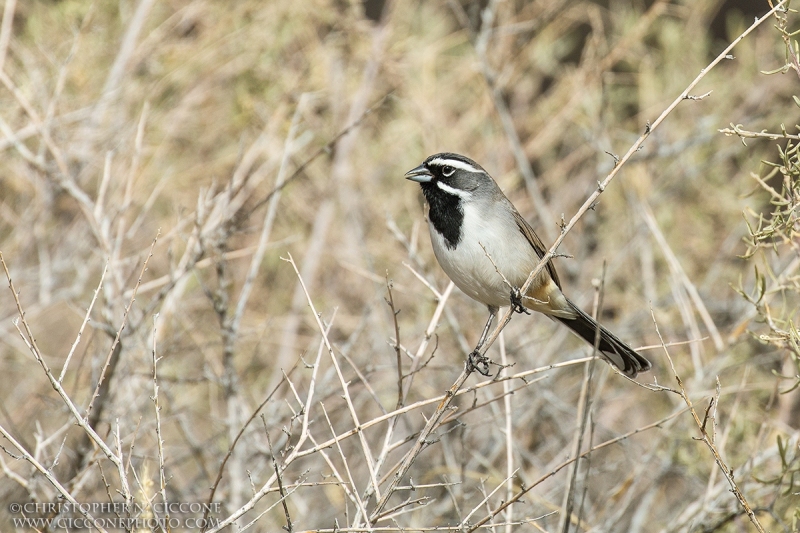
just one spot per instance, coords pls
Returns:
(203, 216)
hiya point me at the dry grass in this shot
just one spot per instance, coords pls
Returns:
(210, 140)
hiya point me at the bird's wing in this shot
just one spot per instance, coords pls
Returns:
(536, 243)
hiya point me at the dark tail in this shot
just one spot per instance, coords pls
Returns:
(612, 349)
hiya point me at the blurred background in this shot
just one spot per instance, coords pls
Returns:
(240, 133)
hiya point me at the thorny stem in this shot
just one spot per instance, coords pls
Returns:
(707, 439)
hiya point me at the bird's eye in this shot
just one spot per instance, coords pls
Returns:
(447, 171)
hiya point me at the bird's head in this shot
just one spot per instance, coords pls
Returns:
(449, 174)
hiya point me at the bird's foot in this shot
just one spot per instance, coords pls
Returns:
(478, 362)
(516, 302)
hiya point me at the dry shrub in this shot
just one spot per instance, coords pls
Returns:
(211, 140)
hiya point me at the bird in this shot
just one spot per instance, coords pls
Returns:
(488, 249)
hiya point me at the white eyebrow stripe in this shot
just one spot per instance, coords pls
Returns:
(452, 190)
(455, 163)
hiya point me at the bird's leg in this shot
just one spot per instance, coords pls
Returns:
(516, 302)
(475, 360)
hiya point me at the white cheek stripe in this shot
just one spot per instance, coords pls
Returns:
(440, 161)
(457, 192)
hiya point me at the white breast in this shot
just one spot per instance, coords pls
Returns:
(485, 234)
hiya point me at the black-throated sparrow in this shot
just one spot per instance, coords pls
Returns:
(488, 250)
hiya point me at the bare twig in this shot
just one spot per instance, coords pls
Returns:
(294, 454)
(676, 267)
(708, 439)
(568, 462)
(344, 384)
(323, 150)
(507, 412)
(52, 479)
(407, 379)
(583, 411)
(162, 475)
(359, 502)
(736, 129)
(282, 491)
(421, 441)
(257, 410)
(83, 325)
(465, 520)
(30, 342)
(269, 218)
(101, 379)
(395, 312)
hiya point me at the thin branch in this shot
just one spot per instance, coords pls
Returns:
(344, 384)
(160, 440)
(221, 470)
(269, 219)
(583, 411)
(675, 266)
(83, 325)
(30, 342)
(282, 491)
(485, 499)
(326, 149)
(736, 129)
(395, 312)
(294, 454)
(359, 502)
(509, 428)
(408, 379)
(708, 439)
(118, 335)
(52, 479)
(568, 462)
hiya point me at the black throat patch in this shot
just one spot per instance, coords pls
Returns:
(445, 213)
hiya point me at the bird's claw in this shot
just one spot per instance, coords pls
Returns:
(478, 362)
(516, 302)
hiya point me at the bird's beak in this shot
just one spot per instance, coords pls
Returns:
(419, 174)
